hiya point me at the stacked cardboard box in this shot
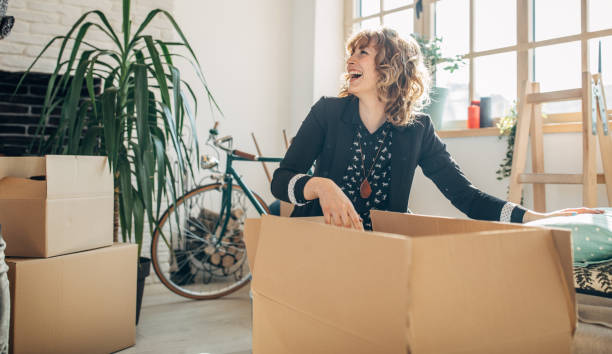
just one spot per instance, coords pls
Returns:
(72, 290)
(417, 284)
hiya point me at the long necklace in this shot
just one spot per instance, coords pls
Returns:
(365, 190)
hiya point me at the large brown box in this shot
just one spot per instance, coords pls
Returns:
(419, 284)
(70, 210)
(78, 303)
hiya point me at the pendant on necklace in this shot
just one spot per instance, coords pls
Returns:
(365, 189)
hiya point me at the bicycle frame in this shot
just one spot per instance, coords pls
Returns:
(228, 178)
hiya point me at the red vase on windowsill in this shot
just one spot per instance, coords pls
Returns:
(473, 121)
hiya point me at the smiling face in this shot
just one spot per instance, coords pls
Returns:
(390, 68)
(361, 68)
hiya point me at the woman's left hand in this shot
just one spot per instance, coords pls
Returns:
(531, 215)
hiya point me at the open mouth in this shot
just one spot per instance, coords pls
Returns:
(354, 75)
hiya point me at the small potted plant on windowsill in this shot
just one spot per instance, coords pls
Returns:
(432, 56)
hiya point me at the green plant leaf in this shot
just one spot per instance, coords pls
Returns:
(70, 112)
(166, 52)
(176, 90)
(193, 125)
(109, 98)
(90, 87)
(126, 24)
(141, 98)
(91, 140)
(138, 220)
(161, 171)
(76, 132)
(158, 70)
(125, 187)
(173, 135)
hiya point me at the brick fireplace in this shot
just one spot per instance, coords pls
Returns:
(20, 113)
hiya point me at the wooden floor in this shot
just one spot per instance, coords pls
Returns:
(173, 324)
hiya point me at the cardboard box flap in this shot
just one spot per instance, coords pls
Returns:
(22, 167)
(251, 239)
(420, 225)
(331, 274)
(78, 176)
(22, 188)
(563, 245)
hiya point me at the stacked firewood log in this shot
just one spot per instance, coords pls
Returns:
(231, 249)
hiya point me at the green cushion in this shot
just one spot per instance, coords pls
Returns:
(591, 235)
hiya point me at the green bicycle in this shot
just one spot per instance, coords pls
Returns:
(198, 248)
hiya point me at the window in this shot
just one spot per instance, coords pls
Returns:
(453, 25)
(500, 53)
(554, 18)
(397, 14)
(494, 24)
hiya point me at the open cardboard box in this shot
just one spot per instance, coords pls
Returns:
(83, 302)
(419, 284)
(68, 207)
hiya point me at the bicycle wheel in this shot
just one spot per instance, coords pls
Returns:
(190, 260)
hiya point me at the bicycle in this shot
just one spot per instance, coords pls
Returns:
(198, 248)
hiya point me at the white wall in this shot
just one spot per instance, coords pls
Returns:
(318, 55)
(245, 48)
(302, 63)
(329, 48)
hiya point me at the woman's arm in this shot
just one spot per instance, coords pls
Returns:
(438, 165)
(290, 178)
(291, 184)
(531, 215)
(336, 206)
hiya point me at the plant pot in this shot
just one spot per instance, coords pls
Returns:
(144, 268)
(435, 109)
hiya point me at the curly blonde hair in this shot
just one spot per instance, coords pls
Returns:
(404, 80)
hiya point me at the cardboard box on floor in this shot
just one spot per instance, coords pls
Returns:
(78, 303)
(420, 284)
(70, 211)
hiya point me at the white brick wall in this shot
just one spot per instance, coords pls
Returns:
(38, 21)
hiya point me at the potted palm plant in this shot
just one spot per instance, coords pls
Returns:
(432, 56)
(138, 113)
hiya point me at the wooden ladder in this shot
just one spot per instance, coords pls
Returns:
(594, 126)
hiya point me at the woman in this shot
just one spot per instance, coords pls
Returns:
(368, 142)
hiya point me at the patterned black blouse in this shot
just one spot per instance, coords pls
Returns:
(380, 175)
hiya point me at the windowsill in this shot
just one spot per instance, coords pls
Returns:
(567, 127)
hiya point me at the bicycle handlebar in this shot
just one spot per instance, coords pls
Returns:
(219, 141)
(244, 155)
(219, 144)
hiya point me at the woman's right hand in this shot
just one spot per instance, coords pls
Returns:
(337, 208)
